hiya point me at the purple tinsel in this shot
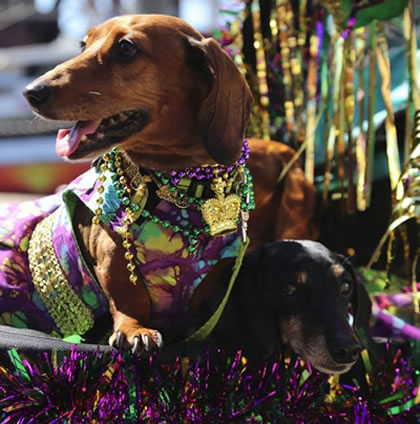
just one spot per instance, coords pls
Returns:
(85, 387)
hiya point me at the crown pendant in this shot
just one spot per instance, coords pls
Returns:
(221, 213)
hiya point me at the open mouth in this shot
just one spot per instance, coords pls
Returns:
(85, 137)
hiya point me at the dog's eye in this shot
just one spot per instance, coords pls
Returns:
(127, 49)
(289, 289)
(82, 45)
(345, 288)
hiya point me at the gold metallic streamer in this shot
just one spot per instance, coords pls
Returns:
(335, 386)
(341, 125)
(311, 108)
(274, 27)
(349, 103)
(394, 225)
(413, 100)
(414, 287)
(368, 366)
(361, 140)
(325, 94)
(361, 171)
(238, 42)
(406, 247)
(261, 68)
(302, 17)
(335, 8)
(412, 51)
(299, 152)
(298, 84)
(391, 240)
(336, 70)
(407, 196)
(371, 111)
(390, 129)
(285, 22)
(297, 44)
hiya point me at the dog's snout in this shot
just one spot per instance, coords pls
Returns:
(38, 94)
(346, 354)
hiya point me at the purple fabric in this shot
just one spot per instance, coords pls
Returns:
(169, 271)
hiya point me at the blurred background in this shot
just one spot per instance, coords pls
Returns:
(35, 35)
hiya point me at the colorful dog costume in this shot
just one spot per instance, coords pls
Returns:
(169, 224)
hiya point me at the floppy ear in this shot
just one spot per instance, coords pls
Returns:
(223, 115)
(362, 307)
(361, 303)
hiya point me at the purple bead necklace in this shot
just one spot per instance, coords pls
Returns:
(208, 172)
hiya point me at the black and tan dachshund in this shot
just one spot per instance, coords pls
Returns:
(295, 293)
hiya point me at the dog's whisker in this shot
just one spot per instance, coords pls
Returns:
(34, 118)
(96, 93)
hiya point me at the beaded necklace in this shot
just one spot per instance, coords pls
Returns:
(222, 213)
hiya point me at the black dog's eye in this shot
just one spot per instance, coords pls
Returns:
(289, 289)
(127, 49)
(82, 45)
(346, 288)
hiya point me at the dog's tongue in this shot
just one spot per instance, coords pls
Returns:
(68, 140)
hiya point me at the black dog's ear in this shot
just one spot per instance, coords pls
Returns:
(362, 305)
(360, 300)
(223, 115)
(362, 308)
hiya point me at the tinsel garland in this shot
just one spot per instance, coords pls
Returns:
(299, 58)
(80, 387)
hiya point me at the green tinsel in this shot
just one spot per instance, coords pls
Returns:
(80, 387)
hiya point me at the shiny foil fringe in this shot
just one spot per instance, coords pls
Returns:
(308, 55)
(80, 387)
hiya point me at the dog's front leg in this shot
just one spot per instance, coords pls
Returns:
(129, 303)
(129, 334)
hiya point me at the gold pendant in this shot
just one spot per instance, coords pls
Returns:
(164, 194)
(221, 215)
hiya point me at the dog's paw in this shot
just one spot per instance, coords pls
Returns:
(138, 341)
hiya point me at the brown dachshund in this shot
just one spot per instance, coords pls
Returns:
(169, 99)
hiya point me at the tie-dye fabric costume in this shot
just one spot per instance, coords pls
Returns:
(163, 262)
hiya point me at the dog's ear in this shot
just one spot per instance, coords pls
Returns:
(361, 306)
(223, 115)
(362, 311)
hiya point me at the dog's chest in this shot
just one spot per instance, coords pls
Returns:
(164, 260)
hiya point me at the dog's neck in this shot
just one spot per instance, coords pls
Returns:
(222, 194)
(174, 152)
(169, 161)
(203, 172)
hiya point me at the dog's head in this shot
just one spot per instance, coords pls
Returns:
(153, 85)
(310, 291)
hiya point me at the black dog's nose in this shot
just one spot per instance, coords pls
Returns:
(37, 94)
(346, 354)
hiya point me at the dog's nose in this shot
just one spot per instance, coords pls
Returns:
(346, 354)
(37, 94)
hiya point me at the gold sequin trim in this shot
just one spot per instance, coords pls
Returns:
(68, 311)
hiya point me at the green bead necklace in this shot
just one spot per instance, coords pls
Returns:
(131, 189)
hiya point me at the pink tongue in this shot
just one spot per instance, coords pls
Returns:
(68, 140)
